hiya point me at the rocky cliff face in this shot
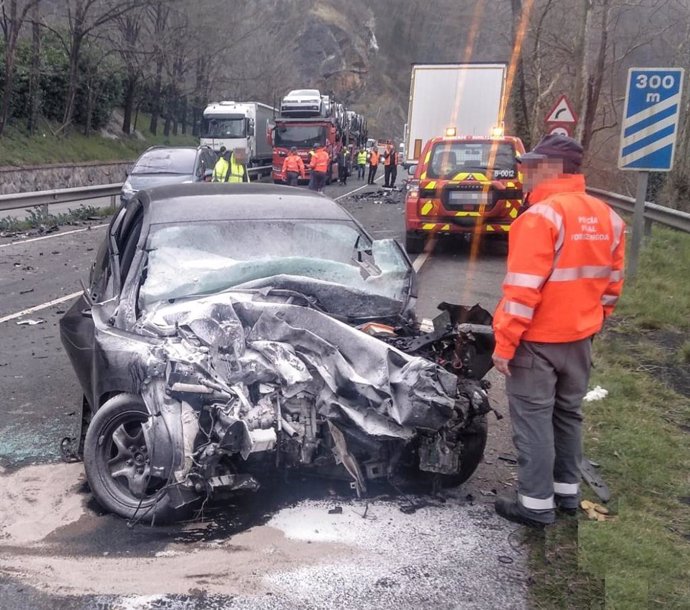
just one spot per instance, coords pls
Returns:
(361, 50)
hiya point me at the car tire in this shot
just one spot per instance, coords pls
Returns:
(115, 460)
(474, 442)
(414, 243)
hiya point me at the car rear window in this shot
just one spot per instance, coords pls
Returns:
(448, 159)
(166, 161)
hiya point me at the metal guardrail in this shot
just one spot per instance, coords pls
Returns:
(81, 193)
(652, 212)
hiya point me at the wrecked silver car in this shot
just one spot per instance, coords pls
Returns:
(232, 330)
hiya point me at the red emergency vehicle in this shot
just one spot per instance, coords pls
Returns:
(463, 185)
(302, 133)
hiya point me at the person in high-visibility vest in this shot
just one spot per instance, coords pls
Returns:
(319, 165)
(231, 167)
(238, 166)
(361, 163)
(293, 168)
(565, 274)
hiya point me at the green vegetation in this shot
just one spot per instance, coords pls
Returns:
(19, 149)
(39, 218)
(639, 435)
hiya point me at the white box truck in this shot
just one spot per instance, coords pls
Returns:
(239, 125)
(465, 97)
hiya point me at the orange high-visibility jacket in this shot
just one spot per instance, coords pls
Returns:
(319, 162)
(293, 163)
(374, 157)
(565, 267)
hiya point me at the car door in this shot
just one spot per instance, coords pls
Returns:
(76, 326)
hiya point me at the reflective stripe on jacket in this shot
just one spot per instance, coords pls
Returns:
(362, 158)
(293, 163)
(319, 162)
(236, 171)
(565, 267)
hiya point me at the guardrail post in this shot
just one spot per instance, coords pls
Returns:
(112, 203)
(647, 227)
(638, 224)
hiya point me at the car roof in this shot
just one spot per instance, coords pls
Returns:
(222, 201)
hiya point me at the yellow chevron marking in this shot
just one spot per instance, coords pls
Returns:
(423, 176)
(426, 159)
(428, 226)
(467, 214)
(426, 208)
(489, 228)
(506, 228)
(508, 204)
(431, 184)
(513, 213)
(445, 228)
(510, 185)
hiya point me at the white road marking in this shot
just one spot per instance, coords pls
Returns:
(26, 241)
(35, 308)
(420, 260)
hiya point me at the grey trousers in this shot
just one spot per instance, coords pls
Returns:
(545, 391)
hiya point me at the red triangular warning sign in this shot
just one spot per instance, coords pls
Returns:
(562, 112)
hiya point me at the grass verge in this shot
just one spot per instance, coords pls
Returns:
(640, 434)
(17, 148)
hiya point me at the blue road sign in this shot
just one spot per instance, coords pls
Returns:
(650, 119)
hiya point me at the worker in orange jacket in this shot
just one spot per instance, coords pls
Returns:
(319, 165)
(293, 168)
(565, 274)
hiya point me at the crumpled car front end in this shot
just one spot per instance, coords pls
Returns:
(228, 386)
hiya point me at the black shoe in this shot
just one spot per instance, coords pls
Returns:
(566, 505)
(509, 509)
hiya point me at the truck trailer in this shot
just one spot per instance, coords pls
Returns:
(452, 99)
(239, 125)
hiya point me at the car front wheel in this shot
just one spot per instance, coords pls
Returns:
(117, 462)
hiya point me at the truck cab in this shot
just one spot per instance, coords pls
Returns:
(302, 133)
(463, 185)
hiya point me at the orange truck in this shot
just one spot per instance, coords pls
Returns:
(466, 181)
(463, 185)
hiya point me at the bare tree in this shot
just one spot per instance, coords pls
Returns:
(14, 15)
(84, 20)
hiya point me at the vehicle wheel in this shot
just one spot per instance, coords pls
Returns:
(474, 443)
(116, 462)
(414, 243)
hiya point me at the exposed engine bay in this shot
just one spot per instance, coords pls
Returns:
(238, 383)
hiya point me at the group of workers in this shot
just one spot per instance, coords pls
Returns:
(346, 158)
(231, 165)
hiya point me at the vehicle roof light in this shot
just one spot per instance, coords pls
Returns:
(497, 131)
(451, 131)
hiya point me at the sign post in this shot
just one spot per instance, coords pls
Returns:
(648, 135)
(561, 118)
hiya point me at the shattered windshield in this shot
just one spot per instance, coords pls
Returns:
(329, 261)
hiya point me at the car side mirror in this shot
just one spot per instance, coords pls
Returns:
(411, 169)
